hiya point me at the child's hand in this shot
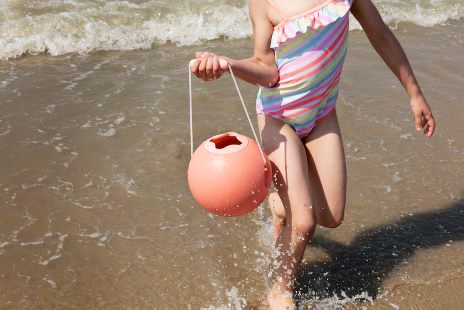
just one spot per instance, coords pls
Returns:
(423, 115)
(208, 66)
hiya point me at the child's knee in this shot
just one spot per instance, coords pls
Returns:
(304, 224)
(276, 206)
(333, 220)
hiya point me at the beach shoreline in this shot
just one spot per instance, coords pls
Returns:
(97, 212)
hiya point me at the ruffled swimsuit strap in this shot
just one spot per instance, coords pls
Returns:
(277, 8)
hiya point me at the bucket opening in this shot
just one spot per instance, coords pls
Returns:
(225, 140)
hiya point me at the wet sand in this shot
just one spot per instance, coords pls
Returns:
(96, 211)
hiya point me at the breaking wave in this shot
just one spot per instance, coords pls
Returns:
(59, 27)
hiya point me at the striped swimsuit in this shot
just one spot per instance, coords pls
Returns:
(309, 50)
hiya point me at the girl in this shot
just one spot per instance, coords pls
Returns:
(300, 46)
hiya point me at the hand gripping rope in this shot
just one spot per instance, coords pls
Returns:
(243, 105)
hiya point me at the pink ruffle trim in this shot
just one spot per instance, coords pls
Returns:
(324, 16)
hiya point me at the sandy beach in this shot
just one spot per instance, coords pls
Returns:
(96, 211)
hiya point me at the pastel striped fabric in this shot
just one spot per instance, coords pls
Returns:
(310, 51)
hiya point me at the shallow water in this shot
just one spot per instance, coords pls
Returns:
(97, 212)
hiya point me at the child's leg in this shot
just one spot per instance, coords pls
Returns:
(327, 171)
(290, 171)
(327, 175)
(278, 214)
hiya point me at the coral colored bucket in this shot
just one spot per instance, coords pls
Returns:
(227, 175)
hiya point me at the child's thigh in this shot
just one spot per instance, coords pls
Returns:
(288, 157)
(327, 171)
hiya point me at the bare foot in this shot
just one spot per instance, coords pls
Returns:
(278, 214)
(279, 300)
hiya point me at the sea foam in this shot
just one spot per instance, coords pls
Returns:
(59, 27)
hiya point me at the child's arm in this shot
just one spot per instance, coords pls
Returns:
(259, 69)
(388, 47)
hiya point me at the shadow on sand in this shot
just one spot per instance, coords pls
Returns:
(363, 265)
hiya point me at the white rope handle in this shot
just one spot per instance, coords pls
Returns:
(243, 105)
(191, 112)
